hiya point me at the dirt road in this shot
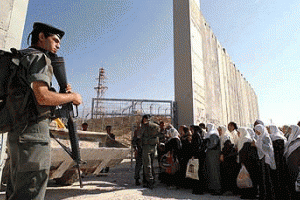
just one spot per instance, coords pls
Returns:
(118, 184)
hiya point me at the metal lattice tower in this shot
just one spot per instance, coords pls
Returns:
(100, 89)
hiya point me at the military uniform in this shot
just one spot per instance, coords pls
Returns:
(149, 141)
(29, 141)
(137, 145)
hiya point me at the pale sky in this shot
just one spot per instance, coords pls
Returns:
(133, 41)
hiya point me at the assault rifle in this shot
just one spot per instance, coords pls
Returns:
(66, 111)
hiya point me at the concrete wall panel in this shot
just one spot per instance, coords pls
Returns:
(217, 91)
(12, 21)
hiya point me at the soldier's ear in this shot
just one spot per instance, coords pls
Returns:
(42, 36)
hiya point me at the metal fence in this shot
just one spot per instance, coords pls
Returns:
(129, 107)
(124, 115)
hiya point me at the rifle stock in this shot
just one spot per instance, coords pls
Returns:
(66, 111)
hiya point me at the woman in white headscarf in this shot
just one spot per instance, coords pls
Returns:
(224, 136)
(232, 128)
(276, 134)
(248, 157)
(212, 161)
(198, 152)
(280, 174)
(292, 143)
(173, 145)
(292, 155)
(266, 162)
(228, 159)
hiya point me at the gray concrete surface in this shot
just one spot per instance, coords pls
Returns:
(118, 184)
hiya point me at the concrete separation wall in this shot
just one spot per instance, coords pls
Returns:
(208, 86)
(12, 21)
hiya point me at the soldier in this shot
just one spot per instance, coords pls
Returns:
(137, 146)
(29, 141)
(149, 132)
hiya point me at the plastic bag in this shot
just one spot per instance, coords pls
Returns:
(243, 179)
(192, 169)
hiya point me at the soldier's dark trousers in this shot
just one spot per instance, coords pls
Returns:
(30, 159)
(148, 159)
(138, 164)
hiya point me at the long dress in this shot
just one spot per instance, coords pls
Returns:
(266, 162)
(266, 189)
(229, 167)
(292, 155)
(293, 164)
(212, 164)
(184, 156)
(248, 157)
(280, 181)
(198, 152)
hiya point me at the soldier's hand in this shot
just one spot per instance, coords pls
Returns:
(69, 88)
(222, 158)
(77, 100)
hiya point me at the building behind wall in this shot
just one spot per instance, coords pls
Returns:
(12, 21)
(208, 86)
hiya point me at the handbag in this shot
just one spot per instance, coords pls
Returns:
(243, 180)
(169, 164)
(192, 169)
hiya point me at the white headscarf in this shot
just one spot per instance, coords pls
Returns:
(258, 121)
(211, 130)
(276, 134)
(244, 137)
(225, 136)
(264, 146)
(172, 133)
(234, 136)
(252, 134)
(291, 145)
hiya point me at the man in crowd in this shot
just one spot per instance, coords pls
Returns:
(150, 138)
(137, 146)
(84, 126)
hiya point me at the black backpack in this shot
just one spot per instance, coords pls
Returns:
(17, 101)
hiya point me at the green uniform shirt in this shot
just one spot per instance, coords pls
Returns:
(29, 141)
(150, 134)
(39, 69)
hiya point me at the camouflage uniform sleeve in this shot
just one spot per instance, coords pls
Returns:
(39, 68)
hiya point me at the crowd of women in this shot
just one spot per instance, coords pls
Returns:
(270, 154)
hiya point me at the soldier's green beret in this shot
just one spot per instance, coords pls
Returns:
(42, 27)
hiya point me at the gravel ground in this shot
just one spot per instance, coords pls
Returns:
(118, 184)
